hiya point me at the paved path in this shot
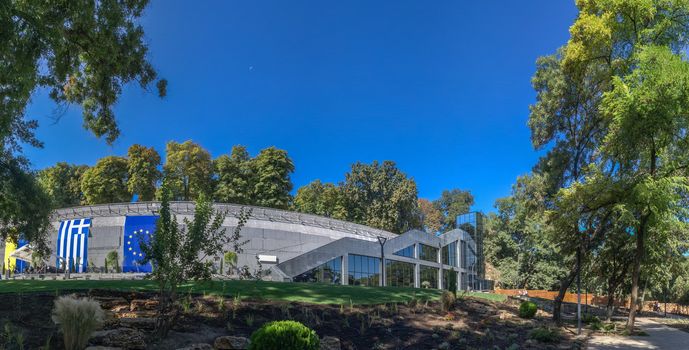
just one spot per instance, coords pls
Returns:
(659, 337)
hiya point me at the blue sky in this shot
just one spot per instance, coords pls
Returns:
(440, 87)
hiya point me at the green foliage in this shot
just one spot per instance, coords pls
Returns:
(188, 170)
(273, 168)
(77, 319)
(62, 182)
(112, 262)
(106, 182)
(451, 204)
(325, 199)
(286, 335)
(432, 219)
(142, 167)
(545, 335)
(236, 177)
(13, 338)
(527, 309)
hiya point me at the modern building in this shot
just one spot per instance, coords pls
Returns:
(288, 246)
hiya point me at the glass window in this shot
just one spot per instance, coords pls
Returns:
(399, 273)
(363, 270)
(450, 280)
(406, 252)
(428, 276)
(450, 254)
(330, 272)
(428, 253)
(464, 254)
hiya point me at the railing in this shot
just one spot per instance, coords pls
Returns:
(187, 208)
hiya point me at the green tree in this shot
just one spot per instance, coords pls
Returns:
(273, 184)
(189, 169)
(106, 182)
(380, 195)
(432, 219)
(62, 183)
(453, 203)
(325, 199)
(235, 177)
(143, 173)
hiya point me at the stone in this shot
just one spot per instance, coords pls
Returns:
(231, 342)
(143, 305)
(199, 346)
(102, 348)
(330, 343)
(137, 322)
(127, 338)
(444, 346)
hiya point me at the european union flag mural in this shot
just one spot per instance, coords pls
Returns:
(136, 228)
(72, 244)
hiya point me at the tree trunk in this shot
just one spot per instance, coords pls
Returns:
(564, 286)
(635, 276)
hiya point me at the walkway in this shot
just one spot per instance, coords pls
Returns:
(659, 337)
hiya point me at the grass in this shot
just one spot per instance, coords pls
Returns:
(487, 296)
(314, 293)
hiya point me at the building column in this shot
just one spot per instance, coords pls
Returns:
(345, 269)
(417, 276)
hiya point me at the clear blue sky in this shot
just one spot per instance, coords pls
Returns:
(440, 87)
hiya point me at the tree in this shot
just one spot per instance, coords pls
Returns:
(180, 253)
(236, 177)
(62, 183)
(432, 219)
(273, 184)
(319, 198)
(106, 182)
(380, 195)
(189, 169)
(453, 203)
(70, 50)
(143, 173)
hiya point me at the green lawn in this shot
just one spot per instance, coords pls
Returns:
(489, 296)
(284, 291)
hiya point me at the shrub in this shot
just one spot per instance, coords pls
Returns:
(284, 335)
(544, 335)
(527, 309)
(447, 300)
(77, 319)
(589, 318)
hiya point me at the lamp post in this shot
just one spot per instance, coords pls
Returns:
(381, 241)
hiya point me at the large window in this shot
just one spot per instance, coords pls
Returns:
(406, 252)
(428, 253)
(330, 272)
(363, 270)
(450, 254)
(428, 276)
(450, 280)
(399, 274)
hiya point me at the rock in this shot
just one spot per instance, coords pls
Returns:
(108, 303)
(102, 348)
(200, 346)
(444, 346)
(138, 322)
(127, 338)
(231, 342)
(143, 305)
(330, 343)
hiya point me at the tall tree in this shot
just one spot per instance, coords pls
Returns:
(142, 166)
(189, 169)
(325, 199)
(235, 177)
(453, 203)
(62, 183)
(106, 182)
(82, 53)
(273, 184)
(431, 218)
(380, 195)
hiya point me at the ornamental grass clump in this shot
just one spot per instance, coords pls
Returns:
(77, 318)
(284, 335)
(447, 300)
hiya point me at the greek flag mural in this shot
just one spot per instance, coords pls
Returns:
(136, 228)
(72, 244)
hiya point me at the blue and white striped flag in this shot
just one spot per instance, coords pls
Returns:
(72, 243)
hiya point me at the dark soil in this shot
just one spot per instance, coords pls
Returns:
(472, 324)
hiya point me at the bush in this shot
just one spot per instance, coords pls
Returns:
(284, 335)
(544, 335)
(447, 300)
(77, 319)
(527, 309)
(589, 318)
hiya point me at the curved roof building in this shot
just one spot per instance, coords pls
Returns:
(289, 246)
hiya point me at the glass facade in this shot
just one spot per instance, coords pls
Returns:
(449, 255)
(450, 280)
(399, 273)
(472, 223)
(428, 276)
(406, 252)
(363, 270)
(428, 253)
(330, 272)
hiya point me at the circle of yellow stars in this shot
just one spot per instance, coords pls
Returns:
(131, 237)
